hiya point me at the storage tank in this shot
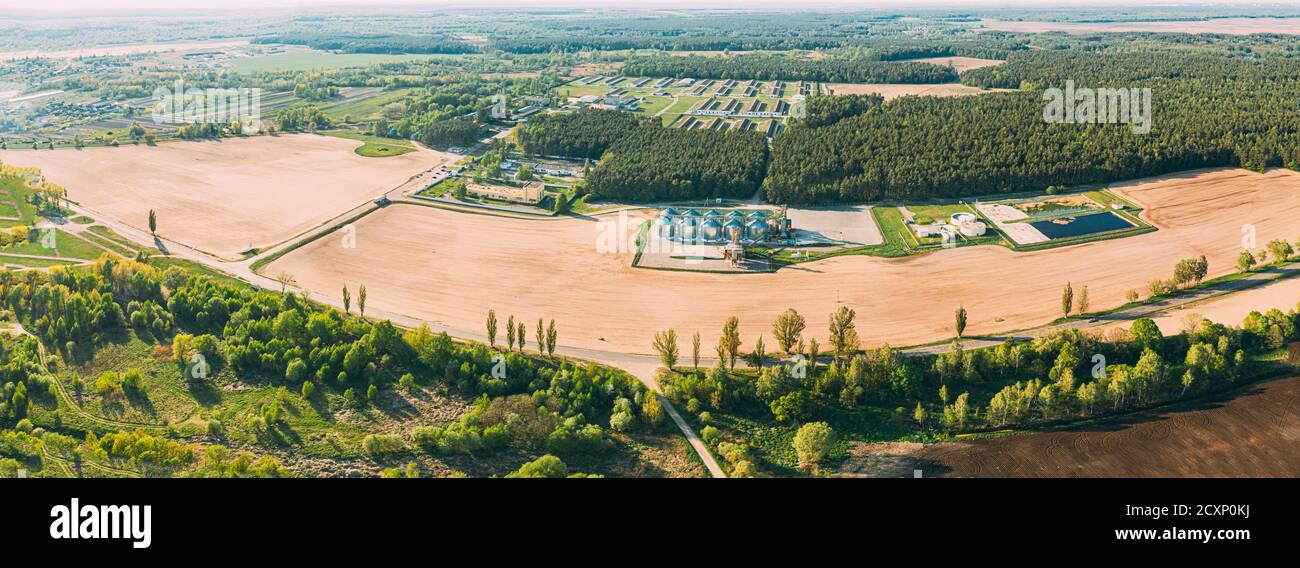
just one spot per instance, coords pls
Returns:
(687, 228)
(735, 225)
(667, 229)
(756, 230)
(959, 218)
(710, 230)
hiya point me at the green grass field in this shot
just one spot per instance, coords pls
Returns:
(13, 194)
(66, 244)
(682, 105)
(374, 146)
(363, 109)
(1104, 197)
(164, 262)
(110, 244)
(576, 90)
(111, 240)
(654, 104)
(23, 262)
(926, 214)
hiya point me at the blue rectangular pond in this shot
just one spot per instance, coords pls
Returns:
(1089, 224)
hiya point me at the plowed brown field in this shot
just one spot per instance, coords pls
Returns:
(451, 268)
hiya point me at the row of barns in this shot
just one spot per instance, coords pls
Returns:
(770, 128)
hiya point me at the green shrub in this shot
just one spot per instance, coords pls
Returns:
(547, 466)
(380, 445)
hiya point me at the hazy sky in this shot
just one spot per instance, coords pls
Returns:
(175, 6)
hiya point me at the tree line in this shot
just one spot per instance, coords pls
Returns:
(371, 42)
(766, 67)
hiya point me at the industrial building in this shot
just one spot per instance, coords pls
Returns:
(712, 227)
(530, 193)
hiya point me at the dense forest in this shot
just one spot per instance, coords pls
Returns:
(1206, 111)
(371, 43)
(641, 160)
(827, 110)
(839, 69)
(454, 132)
(684, 36)
(584, 134)
(987, 46)
(660, 163)
(688, 43)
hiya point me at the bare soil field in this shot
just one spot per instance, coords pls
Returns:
(894, 90)
(1233, 26)
(451, 268)
(221, 197)
(1231, 309)
(960, 64)
(1254, 432)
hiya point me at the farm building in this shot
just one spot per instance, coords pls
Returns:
(530, 193)
(620, 101)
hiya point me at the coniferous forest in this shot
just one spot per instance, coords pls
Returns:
(838, 69)
(641, 160)
(1206, 111)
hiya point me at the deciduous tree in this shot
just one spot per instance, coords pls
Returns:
(787, 329)
(843, 332)
(1067, 300)
(665, 344)
(812, 443)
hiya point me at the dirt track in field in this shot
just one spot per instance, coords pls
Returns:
(451, 268)
(1253, 433)
(221, 197)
